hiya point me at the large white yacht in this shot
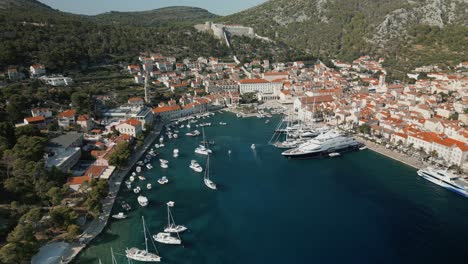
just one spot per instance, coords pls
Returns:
(445, 179)
(324, 144)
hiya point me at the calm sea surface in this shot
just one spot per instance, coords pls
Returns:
(358, 208)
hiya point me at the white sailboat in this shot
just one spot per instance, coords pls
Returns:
(143, 255)
(166, 238)
(209, 183)
(171, 225)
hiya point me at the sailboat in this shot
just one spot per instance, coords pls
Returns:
(143, 255)
(171, 226)
(209, 183)
(203, 149)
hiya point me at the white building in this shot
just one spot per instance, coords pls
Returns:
(131, 127)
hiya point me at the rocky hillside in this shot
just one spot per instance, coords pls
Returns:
(348, 28)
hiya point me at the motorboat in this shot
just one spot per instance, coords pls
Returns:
(252, 146)
(138, 169)
(163, 161)
(334, 154)
(202, 150)
(132, 178)
(164, 165)
(142, 178)
(163, 180)
(142, 200)
(175, 153)
(149, 166)
(193, 133)
(445, 179)
(119, 216)
(137, 189)
(149, 186)
(195, 166)
(140, 163)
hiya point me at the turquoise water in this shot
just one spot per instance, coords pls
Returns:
(358, 208)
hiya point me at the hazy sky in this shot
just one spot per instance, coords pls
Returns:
(92, 7)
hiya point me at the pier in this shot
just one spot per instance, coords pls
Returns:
(410, 161)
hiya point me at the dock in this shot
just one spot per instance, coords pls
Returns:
(408, 160)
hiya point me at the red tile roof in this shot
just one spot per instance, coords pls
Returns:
(35, 119)
(166, 109)
(67, 113)
(133, 122)
(77, 180)
(252, 81)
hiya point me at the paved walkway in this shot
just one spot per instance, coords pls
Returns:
(410, 161)
(97, 225)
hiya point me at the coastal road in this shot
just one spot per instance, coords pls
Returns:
(97, 225)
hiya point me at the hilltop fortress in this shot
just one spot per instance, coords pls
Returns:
(219, 30)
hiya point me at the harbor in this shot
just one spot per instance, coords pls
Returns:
(257, 189)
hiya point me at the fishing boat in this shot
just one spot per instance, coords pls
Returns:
(149, 186)
(119, 216)
(143, 255)
(138, 169)
(166, 238)
(142, 200)
(142, 178)
(195, 166)
(208, 182)
(163, 180)
(171, 225)
(149, 166)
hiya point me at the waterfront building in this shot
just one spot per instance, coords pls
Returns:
(131, 127)
(124, 112)
(167, 112)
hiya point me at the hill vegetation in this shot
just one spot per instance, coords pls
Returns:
(346, 29)
(159, 17)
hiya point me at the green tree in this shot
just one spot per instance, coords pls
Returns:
(27, 130)
(72, 232)
(120, 155)
(55, 195)
(62, 216)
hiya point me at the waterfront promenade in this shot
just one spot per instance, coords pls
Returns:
(410, 161)
(97, 225)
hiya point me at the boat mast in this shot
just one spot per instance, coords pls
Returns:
(144, 232)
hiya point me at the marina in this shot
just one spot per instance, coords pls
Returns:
(347, 204)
